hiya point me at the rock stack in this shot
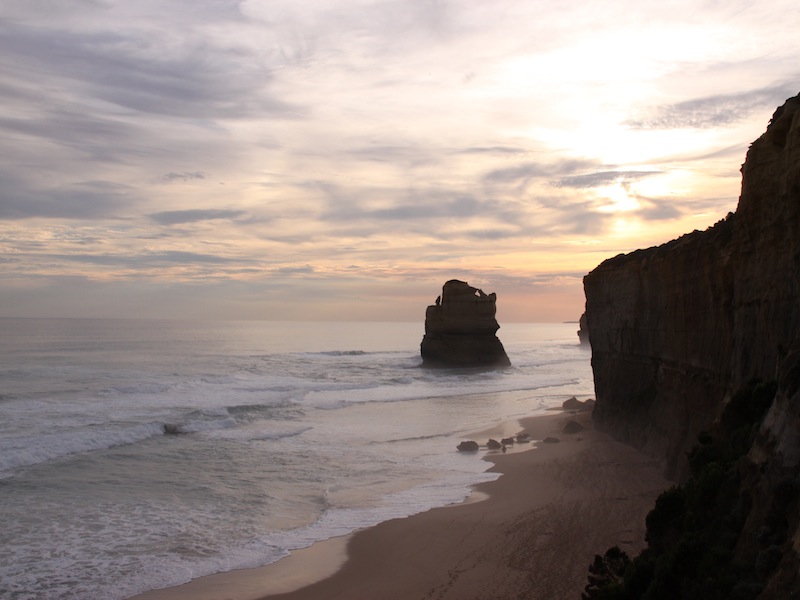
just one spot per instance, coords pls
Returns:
(460, 329)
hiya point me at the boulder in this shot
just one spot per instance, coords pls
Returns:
(551, 440)
(468, 446)
(573, 427)
(494, 445)
(509, 441)
(460, 329)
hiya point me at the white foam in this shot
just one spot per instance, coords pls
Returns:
(27, 451)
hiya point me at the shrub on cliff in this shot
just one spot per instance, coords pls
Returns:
(606, 576)
(694, 528)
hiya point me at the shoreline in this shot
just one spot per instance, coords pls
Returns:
(533, 532)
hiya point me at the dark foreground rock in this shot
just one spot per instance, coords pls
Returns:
(469, 446)
(573, 427)
(460, 329)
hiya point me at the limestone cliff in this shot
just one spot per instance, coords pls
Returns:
(460, 329)
(676, 330)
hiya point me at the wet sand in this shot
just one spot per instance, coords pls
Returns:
(531, 534)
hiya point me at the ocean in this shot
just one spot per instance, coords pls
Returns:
(285, 433)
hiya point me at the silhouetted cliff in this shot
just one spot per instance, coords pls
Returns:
(677, 330)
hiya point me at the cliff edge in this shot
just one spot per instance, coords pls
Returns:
(678, 329)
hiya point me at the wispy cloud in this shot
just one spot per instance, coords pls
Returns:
(714, 111)
(590, 180)
(86, 200)
(185, 176)
(529, 171)
(654, 209)
(177, 217)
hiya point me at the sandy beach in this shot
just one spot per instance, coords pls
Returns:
(530, 534)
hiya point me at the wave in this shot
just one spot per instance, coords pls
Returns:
(417, 438)
(199, 425)
(216, 418)
(23, 452)
(280, 435)
(26, 451)
(138, 388)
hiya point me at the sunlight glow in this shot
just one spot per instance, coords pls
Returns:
(617, 198)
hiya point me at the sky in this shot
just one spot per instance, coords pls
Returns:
(342, 159)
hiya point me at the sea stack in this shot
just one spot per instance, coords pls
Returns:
(460, 329)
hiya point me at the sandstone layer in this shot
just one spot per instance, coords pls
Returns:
(461, 328)
(676, 330)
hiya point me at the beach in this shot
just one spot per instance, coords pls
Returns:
(530, 534)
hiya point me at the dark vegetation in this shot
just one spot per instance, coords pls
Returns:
(694, 529)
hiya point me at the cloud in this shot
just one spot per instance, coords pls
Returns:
(193, 215)
(298, 270)
(148, 260)
(590, 180)
(493, 234)
(580, 222)
(433, 214)
(654, 209)
(174, 256)
(185, 176)
(713, 111)
(193, 78)
(457, 206)
(490, 150)
(91, 200)
(71, 127)
(526, 172)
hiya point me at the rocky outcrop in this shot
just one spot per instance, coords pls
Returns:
(460, 329)
(583, 333)
(577, 405)
(676, 330)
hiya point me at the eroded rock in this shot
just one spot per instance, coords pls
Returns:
(460, 329)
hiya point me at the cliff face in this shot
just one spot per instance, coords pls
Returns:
(661, 333)
(460, 329)
(676, 330)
